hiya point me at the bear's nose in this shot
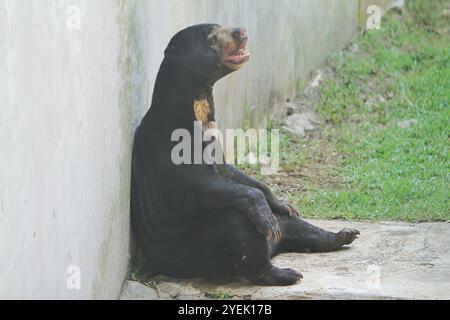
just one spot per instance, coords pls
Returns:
(240, 33)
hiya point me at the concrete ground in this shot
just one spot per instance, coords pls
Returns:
(390, 260)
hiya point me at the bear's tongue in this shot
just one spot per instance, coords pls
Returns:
(239, 57)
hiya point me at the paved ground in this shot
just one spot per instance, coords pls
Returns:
(390, 260)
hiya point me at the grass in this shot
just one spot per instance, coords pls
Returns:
(218, 296)
(383, 151)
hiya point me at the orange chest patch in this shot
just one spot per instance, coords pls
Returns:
(202, 110)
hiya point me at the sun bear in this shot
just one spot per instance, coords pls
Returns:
(209, 220)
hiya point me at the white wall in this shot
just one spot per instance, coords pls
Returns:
(69, 103)
(64, 151)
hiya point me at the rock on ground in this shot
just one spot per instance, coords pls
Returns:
(299, 124)
(136, 291)
(390, 260)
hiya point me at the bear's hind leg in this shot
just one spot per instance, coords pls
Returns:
(228, 244)
(297, 235)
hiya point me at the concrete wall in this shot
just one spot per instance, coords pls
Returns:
(70, 100)
(64, 150)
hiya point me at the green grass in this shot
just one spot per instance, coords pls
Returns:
(383, 171)
(218, 296)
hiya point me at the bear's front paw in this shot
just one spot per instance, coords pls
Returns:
(266, 223)
(282, 208)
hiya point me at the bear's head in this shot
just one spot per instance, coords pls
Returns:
(209, 51)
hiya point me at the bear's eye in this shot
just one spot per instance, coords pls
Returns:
(212, 39)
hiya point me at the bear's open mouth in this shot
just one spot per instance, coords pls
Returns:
(241, 56)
